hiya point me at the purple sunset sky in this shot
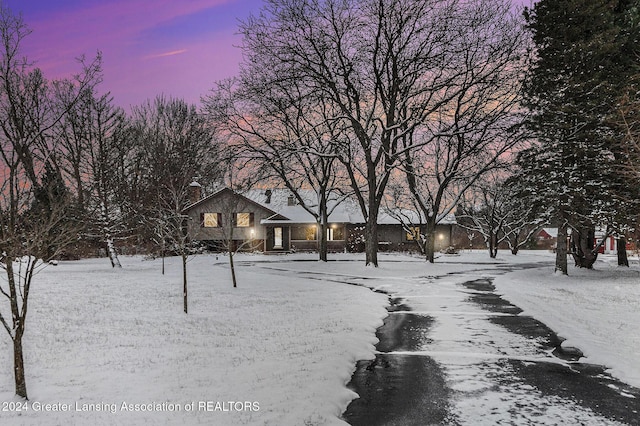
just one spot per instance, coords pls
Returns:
(149, 47)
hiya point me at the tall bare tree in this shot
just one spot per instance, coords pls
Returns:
(384, 67)
(90, 137)
(476, 130)
(289, 133)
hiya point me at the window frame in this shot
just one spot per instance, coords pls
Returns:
(203, 219)
(247, 221)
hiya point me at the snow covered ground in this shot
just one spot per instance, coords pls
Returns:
(101, 338)
(283, 344)
(596, 310)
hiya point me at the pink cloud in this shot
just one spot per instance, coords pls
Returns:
(162, 55)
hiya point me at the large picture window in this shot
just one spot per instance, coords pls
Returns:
(302, 233)
(211, 220)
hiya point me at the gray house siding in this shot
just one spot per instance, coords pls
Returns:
(271, 231)
(227, 206)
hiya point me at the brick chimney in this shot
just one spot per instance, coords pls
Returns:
(195, 192)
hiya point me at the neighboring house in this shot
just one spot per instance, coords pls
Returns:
(273, 221)
(547, 238)
(609, 246)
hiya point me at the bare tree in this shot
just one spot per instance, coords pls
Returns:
(172, 223)
(233, 237)
(495, 209)
(383, 66)
(174, 144)
(103, 124)
(474, 131)
(628, 162)
(289, 133)
(34, 225)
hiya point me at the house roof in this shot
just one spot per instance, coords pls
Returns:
(341, 209)
(278, 199)
(552, 232)
(219, 192)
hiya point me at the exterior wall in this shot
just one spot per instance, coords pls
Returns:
(394, 238)
(227, 205)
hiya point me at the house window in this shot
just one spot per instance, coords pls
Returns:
(277, 238)
(211, 220)
(302, 233)
(310, 234)
(335, 233)
(244, 220)
(413, 232)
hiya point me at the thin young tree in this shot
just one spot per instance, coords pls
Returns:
(174, 144)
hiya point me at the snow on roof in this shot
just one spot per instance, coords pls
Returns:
(279, 200)
(552, 232)
(342, 210)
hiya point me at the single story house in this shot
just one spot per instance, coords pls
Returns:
(273, 221)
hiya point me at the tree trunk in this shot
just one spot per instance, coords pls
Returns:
(493, 246)
(162, 254)
(18, 366)
(371, 241)
(430, 244)
(113, 254)
(582, 242)
(184, 282)
(561, 251)
(322, 250)
(111, 248)
(324, 226)
(233, 269)
(514, 244)
(621, 246)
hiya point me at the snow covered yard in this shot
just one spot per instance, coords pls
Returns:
(285, 341)
(98, 338)
(596, 310)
